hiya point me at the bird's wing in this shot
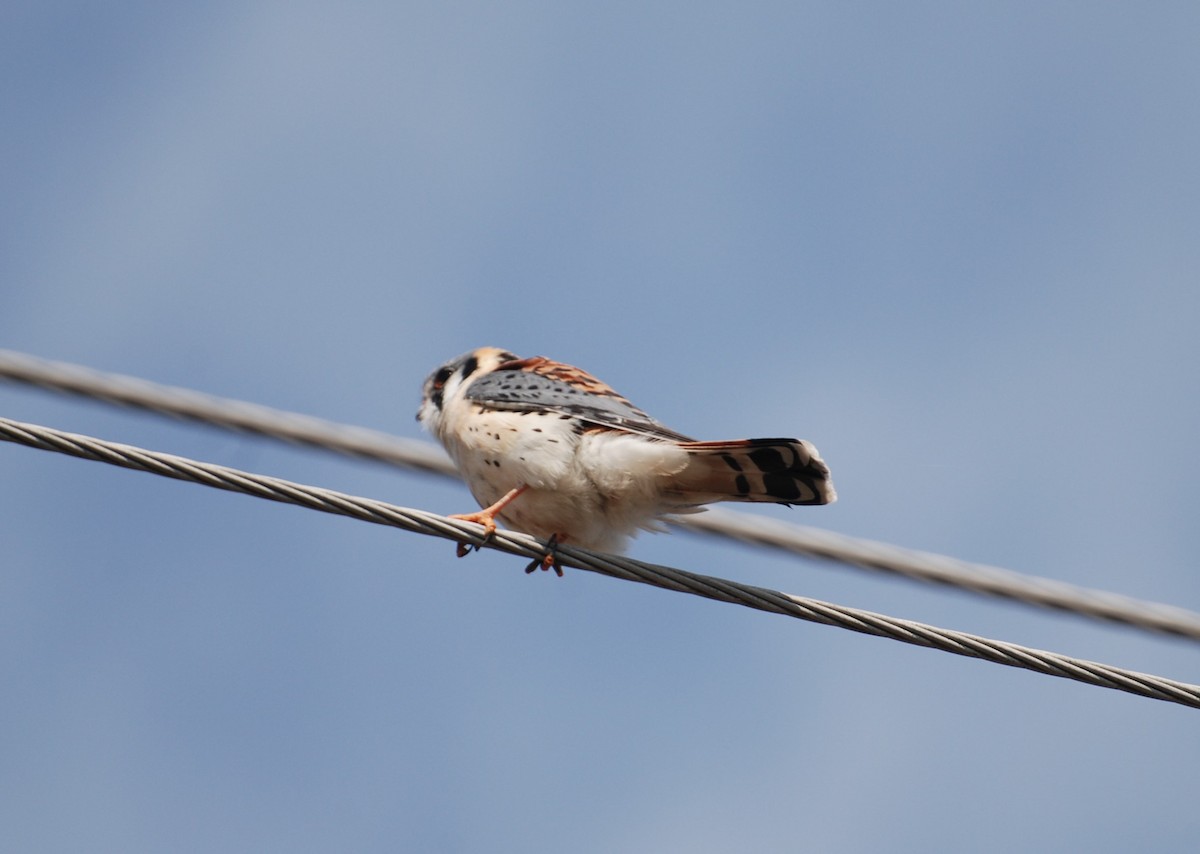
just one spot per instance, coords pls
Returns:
(542, 385)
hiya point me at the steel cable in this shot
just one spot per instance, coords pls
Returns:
(670, 578)
(746, 527)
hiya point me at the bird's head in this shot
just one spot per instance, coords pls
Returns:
(445, 386)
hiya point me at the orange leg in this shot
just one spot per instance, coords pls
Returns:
(487, 518)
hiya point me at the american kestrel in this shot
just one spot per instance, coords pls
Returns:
(552, 451)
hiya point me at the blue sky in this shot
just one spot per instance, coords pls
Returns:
(955, 247)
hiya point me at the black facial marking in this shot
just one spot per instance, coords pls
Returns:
(439, 383)
(469, 367)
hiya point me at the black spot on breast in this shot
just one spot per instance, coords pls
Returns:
(768, 459)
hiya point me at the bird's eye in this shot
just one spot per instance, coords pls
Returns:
(439, 379)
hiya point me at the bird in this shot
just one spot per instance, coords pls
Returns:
(552, 451)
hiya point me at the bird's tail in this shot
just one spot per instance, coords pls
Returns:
(783, 471)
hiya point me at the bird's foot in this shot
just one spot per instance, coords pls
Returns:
(549, 560)
(484, 518)
(487, 518)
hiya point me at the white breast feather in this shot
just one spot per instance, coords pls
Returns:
(628, 471)
(628, 464)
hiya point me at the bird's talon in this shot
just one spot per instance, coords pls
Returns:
(549, 560)
(484, 518)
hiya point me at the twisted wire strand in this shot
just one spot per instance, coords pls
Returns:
(793, 539)
(669, 578)
(947, 571)
(189, 405)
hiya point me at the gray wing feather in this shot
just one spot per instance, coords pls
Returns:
(526, 391)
